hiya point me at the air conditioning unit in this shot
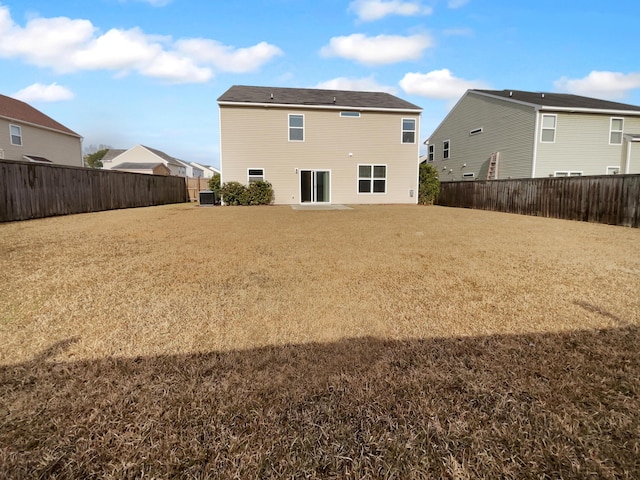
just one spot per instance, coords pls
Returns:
(207, 198)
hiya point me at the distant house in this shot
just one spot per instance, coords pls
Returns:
(496, 134)
(321, 146)
(192, 171)
(30, 135)
(148, 168)
(143, 155)
(207, 171)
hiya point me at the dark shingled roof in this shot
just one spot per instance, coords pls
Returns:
(561, 100)
(19, 111)
(112, 153)
(315, 97)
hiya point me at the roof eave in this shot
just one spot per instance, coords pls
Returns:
(227, 103)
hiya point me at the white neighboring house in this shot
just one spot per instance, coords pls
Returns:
(207, 171)
(147, 156)
(192, 171)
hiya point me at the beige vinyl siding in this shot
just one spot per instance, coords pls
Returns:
(257, 137)
(582, 144)
(60, 148)
(507, 128)
(139, 154)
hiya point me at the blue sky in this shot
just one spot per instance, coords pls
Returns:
(123, 72)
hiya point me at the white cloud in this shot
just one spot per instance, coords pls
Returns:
(44, 93)
(457, 3)
(68, 45)
(380, 50)
(601, 84)
(439, 84)
(226, 58)
(369, 10)
(367, 84)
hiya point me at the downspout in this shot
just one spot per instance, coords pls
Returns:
(627, 166)
(535, 143)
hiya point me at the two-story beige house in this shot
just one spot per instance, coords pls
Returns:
(27, 134)
(141, 159)
(321, 146)
(498, 134)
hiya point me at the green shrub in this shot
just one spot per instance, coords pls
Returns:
(214, 184)
(429, 184)
(257, 193)
(234, 193)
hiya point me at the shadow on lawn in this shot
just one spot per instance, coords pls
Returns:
(528, 406)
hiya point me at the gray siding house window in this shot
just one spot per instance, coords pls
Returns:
(16, 135)
(445, 149)
(431, 152)
(615, 131)
(296, 128)
(548, 134)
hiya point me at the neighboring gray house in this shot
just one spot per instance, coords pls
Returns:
(192, 170)
(27, 134)
(207, 171)
(147, 156)
(497, 134)
(321, 146)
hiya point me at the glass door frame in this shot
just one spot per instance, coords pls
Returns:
(314, 185)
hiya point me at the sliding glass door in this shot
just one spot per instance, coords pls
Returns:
(315, 186)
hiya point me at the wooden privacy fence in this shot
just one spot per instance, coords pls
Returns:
(610, 199)
(32, 190)
(194, 186)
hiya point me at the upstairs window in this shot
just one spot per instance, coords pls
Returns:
(445, 149)
(548, 134)
(372, 178)
(255, 175)
(408, 130)
(431, 153)
(296, 128)
(615, 131)
(16, 135)
(350, 114)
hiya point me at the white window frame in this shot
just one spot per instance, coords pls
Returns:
(469, 176)
(290, 128)
(567, 173)
(413, 130)
(372, 178)
(253, 177)
(350, 114)
(543, 128)
(431, 153)
(446, 149)
(476, 131)
(612, 131)
(19, 135)
(615, 167)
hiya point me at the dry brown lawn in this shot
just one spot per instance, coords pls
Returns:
(263, 342)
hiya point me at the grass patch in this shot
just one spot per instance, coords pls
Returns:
(379, 342)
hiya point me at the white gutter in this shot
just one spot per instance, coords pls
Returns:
(319, 107)
(590, 110)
